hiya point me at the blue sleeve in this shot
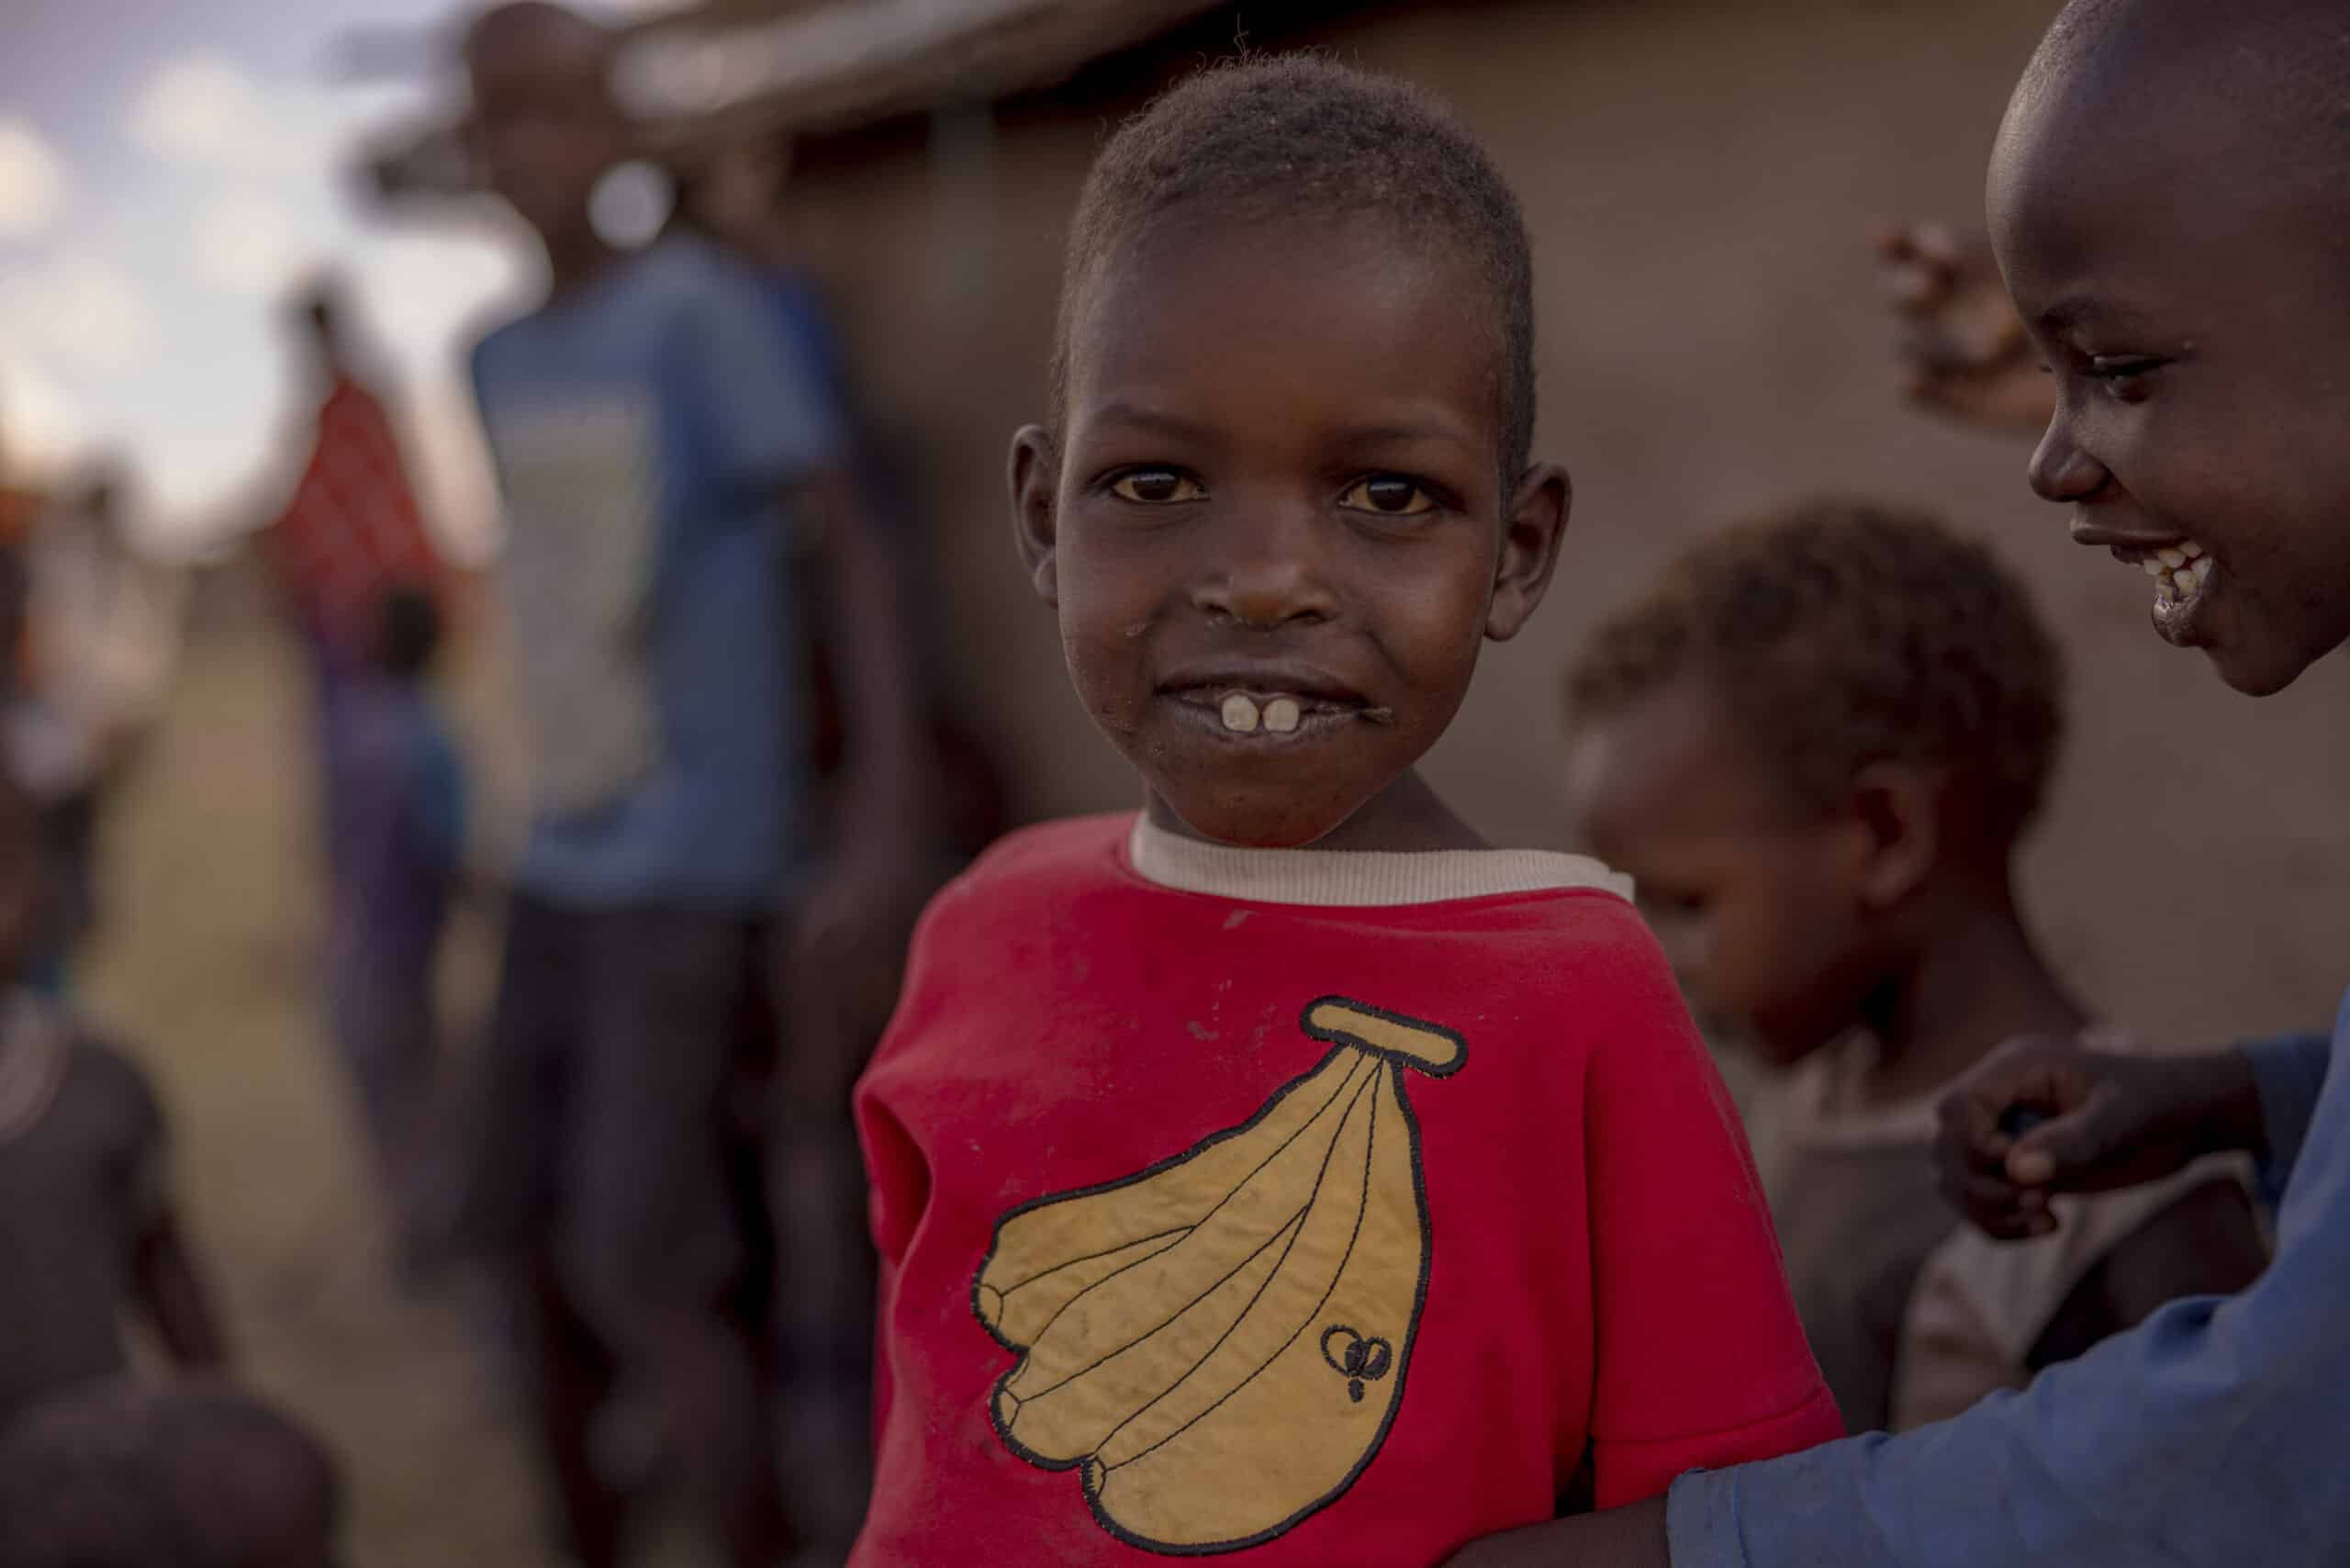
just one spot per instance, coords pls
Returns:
(2291, 1072)
(763, 411)
(2210, 1434)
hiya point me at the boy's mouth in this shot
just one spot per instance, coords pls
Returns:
(2181, 571)
(1263, 706)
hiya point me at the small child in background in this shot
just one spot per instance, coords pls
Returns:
(1285, 1168)
(198, 1474)
(87, 1230)
(404, 838)
(1814, 743)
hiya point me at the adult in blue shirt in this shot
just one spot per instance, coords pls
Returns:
(2168, 202)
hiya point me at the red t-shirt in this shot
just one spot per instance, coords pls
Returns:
(1322, 1233)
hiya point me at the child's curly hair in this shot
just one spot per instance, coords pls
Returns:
(1301, 137)
(1841, 633)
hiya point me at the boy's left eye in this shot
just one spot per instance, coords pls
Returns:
(1388, 495)
(1156, 486)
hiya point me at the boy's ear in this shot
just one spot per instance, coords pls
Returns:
(1898, 806)
(1035, 476)
(1531, 534)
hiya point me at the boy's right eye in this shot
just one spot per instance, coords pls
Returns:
(1156, 486)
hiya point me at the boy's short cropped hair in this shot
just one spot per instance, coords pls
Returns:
(1299, 137)
(1842, 632)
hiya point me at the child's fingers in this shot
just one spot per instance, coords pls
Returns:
(2063, 1153)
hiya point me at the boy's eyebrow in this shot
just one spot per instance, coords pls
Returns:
(2088, 310)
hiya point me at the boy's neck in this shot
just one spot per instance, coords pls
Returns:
(1975, 982)
(1407, 817)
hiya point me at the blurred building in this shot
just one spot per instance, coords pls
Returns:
(1701, 178)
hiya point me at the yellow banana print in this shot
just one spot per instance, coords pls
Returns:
(1220, 1342)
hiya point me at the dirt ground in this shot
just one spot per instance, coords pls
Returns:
(205, 966)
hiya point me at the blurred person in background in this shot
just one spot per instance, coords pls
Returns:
(655, 456)
(407, 819)
(824, 1288)
(198, 1474)
(350, 534)
(100, 641)
(88, 1230)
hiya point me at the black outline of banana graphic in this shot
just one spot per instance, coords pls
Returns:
(1157, 1212)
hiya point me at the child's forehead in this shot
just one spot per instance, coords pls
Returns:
(1347, 310)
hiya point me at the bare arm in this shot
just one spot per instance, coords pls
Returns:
(170, 1291)
(2207, 1243)
(848, 933)
(871, 627)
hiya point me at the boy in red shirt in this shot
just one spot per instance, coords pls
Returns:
(1286, 1172)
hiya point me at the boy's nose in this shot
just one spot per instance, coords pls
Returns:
(1268, 587)
(2060, 470)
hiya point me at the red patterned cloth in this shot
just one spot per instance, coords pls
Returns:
(352, 530)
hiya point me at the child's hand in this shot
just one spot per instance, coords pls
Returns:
(2040, 1118)
(1963, 349)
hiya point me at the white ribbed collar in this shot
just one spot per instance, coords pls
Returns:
(1357, 879)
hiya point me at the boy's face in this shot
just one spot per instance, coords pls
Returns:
(543, 124)
(1754, 899)
(2196, 318)
(1273, 527)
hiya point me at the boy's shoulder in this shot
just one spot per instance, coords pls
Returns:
(1045, 859)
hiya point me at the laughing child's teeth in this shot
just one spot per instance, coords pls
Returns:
(1281, 716)
(1240, 715)
(2177, 572)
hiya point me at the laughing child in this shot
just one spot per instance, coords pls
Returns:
(2168, 201)
(1284, 1170)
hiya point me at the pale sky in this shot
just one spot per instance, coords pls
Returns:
(168, 168)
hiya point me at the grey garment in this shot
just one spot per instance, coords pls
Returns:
(1856, 1224)
(603, 1120)
(80, 1186)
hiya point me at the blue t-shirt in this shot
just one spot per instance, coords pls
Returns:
(644, 431)
(2211, 1436)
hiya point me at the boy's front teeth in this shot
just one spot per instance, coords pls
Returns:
(2178, 570)
(1280, 714)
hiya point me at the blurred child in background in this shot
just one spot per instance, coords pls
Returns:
(1815, 744)
(88, 1232)
(196, 1475)
(407, 826)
